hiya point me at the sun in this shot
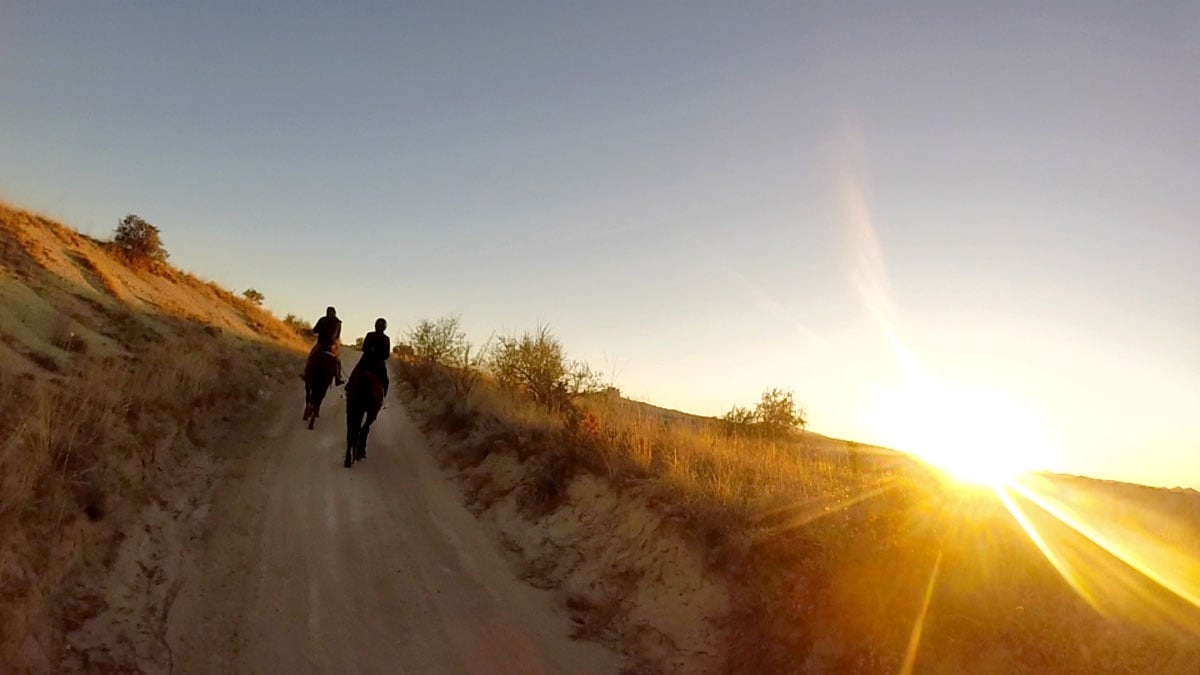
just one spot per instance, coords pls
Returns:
(975, 435)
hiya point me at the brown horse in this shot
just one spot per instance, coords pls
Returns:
(364, 397)
(318, 374)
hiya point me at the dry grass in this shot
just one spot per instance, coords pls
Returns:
(828, 548)
(101, 438)
(740, 476)
(60, 431)
(114, 381)
(700, 459)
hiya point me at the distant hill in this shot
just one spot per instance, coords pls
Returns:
(810, 441)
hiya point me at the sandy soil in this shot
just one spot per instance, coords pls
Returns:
(305, 566)
(630, 577)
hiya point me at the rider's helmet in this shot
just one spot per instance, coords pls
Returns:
(330, 311)
(381, 324)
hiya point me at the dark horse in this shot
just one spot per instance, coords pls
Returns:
(364, 397)
(318, 374)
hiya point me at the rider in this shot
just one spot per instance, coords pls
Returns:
(329, 333)
(376, 348)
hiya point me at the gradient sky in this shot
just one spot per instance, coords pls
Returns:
(701, 199)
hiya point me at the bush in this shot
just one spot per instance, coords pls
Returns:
(442, 341)
(139, 241)
(536, 364)
(254, 296)
(302, 327)
(775, 413)
(581, 379)
(738, 420)
(533, 363)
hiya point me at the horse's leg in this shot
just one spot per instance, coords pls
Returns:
(353, 416)
(364, 432)
(318, 399)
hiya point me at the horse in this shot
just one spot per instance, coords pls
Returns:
(318, 374)
(364, 396)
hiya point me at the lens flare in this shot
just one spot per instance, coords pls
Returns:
(975, 435)
(1123, 558)
(914, 640)
(1126, 556)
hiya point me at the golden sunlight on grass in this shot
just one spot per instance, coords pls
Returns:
(1123, 559)
(974, 435)
(845, 558)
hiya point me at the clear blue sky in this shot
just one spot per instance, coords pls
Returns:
(692, 194)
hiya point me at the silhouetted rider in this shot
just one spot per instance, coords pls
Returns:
(329, 334)
(376, 348)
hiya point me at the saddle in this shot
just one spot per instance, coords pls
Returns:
(317, 353)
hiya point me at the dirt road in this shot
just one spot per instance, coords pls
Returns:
(310, 567)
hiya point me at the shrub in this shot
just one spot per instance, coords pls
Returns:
(139, 241)
(254, 296)
(533, 363)
(440, 341)
(581, 379)
(738, 420)
(299, 325)
(776, 413)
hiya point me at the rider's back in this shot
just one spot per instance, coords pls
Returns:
(376, 347)
(328, 330)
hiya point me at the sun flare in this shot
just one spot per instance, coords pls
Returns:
(974, 435)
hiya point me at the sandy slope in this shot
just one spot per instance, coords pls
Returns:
(310, 567)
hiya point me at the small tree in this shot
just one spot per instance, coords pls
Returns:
(139, 241)
(777, 411)
(442, 341)
(254, 296)
(533, 363)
